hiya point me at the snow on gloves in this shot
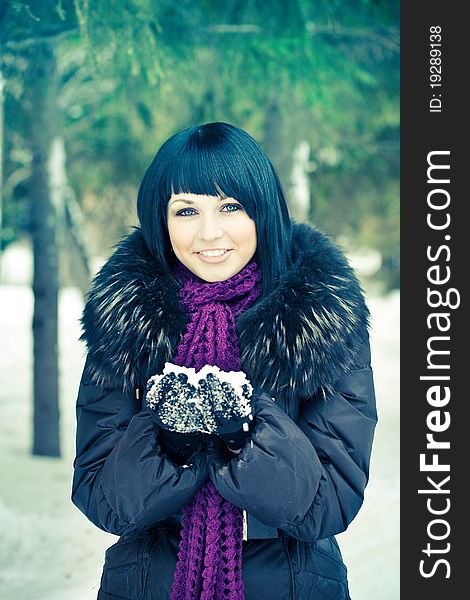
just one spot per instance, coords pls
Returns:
(209, 401)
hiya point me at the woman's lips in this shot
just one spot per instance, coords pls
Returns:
(214, 259)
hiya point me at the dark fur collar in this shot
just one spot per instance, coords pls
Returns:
(293, 343)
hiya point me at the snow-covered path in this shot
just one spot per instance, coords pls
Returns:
(49, 551)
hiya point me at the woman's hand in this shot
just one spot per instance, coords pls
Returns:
(231, 411)
(177, 403)
(211, 402)
(174, 403)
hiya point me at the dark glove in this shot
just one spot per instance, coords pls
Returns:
(178, 446)
(233, 432)
(231, 411)
(176, 403)
(205, 404)
(173, 401)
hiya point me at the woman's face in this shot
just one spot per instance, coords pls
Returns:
(212, 236)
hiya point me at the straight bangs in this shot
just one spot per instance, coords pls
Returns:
(215, 171)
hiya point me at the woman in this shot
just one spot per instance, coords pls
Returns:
(217, 274)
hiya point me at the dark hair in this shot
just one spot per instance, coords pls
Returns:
(215, 159)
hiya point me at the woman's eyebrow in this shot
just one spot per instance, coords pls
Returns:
(185, 200)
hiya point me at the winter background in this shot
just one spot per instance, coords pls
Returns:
(48, 549)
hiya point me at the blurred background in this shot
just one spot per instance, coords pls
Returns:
(88, 92)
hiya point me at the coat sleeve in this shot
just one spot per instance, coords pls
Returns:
(307, 478)
(122, 480)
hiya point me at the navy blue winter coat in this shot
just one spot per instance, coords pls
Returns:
(301, 477)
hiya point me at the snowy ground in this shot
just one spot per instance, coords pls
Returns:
(370, 546)
(49, 551)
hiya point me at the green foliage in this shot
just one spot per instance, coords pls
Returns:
(135, 71)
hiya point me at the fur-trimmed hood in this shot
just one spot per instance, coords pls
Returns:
(293, 343)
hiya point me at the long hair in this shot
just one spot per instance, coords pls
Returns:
(215, 159)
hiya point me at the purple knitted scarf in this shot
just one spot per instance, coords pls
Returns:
(209, 563)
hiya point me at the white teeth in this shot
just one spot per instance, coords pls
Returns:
(213, 252)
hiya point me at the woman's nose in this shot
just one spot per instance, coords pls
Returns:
(210, 229)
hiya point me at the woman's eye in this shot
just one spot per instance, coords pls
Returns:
(185, 212)
(232, 207)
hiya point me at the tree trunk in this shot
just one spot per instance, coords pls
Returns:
(291, 162)
(2, 85)
(300, 183)
(75, 268)
(47, 167)
(272, 134)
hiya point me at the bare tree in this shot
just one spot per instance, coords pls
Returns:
(47, 185)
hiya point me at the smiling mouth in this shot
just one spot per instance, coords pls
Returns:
(215, 252)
